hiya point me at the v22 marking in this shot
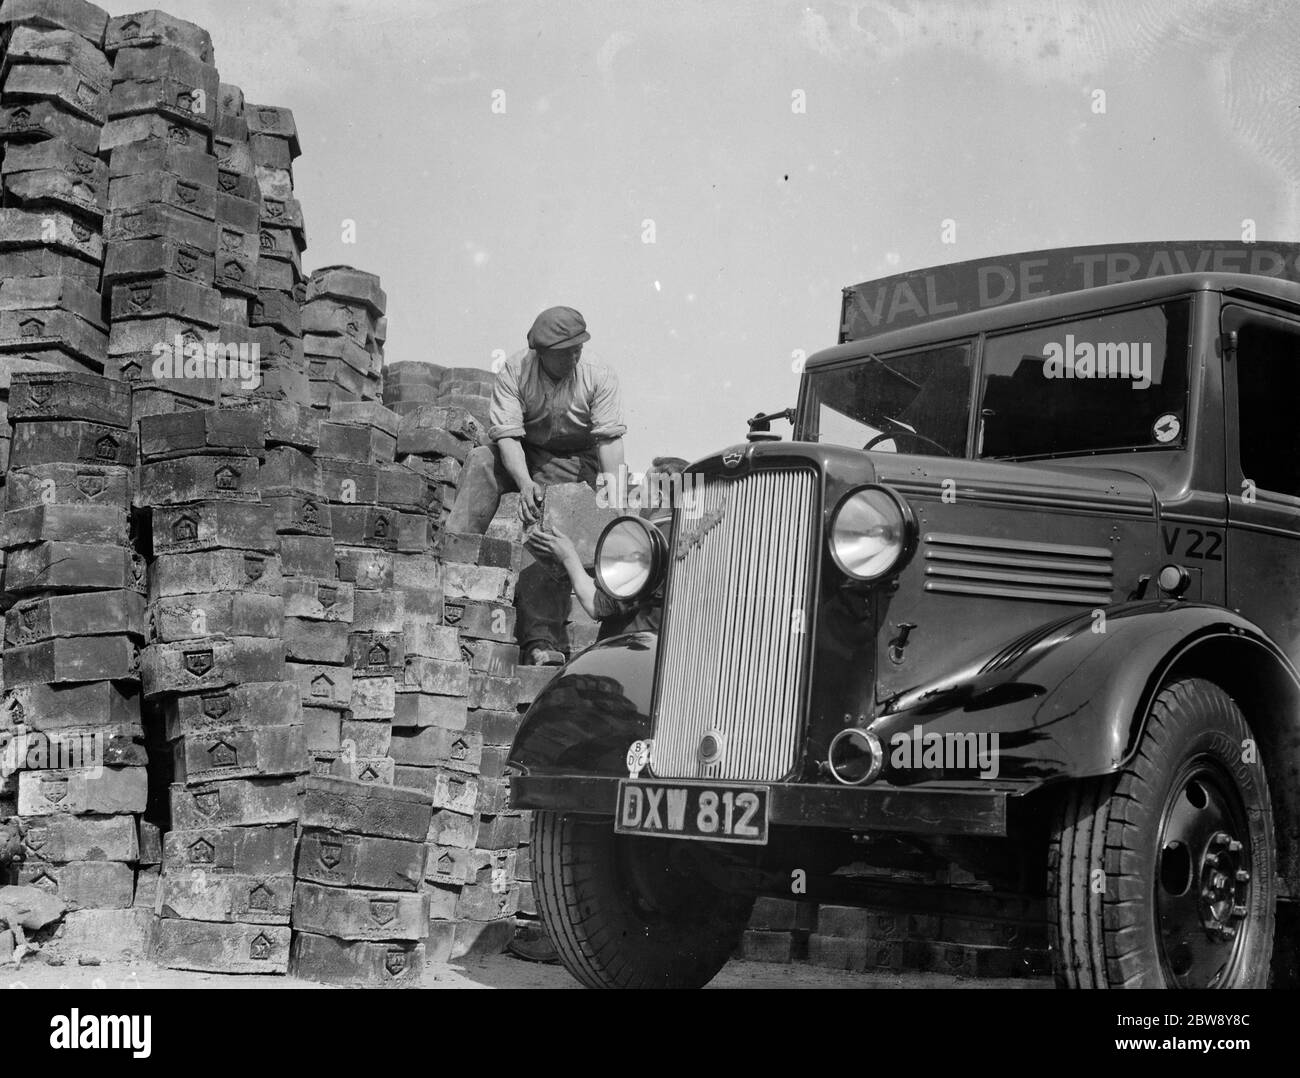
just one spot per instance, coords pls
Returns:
(1197, 545)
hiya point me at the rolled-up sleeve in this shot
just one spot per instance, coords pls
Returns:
(606, 407)
(607, 606)
(506, 414)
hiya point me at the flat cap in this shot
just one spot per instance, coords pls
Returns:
(557, 327)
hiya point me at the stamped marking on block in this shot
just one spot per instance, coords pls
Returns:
(331, 853)
(382, 910)
(215, 705)
(207, 802)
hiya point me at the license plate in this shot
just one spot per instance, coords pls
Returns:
(692, 810)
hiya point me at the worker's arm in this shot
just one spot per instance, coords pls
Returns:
(559, 547)
(530, 496)
(610, 454)
(607, 426)
(506, 428)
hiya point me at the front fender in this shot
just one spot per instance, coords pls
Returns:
(1068, 700)
(583, 721)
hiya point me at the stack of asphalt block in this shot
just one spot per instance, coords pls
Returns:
(459, 682)
(344, 326)
(164, 308)
(74, 623)
(434, 438)
(410, 384)
(275, 307)
(53, 96)
(356, 653)
(215, 665)
(359, 915)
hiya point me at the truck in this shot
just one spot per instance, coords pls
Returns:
(1022, 591)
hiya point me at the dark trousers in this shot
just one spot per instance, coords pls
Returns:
(543, 593)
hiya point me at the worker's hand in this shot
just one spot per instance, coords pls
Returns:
(552, 544)
(530, 502)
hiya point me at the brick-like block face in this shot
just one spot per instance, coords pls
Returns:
(240, 753)
(83, 884)
(86, 614)
(70, 396)
(80, 838)
(68, 484)
(235, 802)
(71, 440)
(45, 708)
(356, 808)
(572, 508)
(785, 915)
(342, 860)
(358, 914)
(264, 900)
(106, 791)
(209, 664)
(246, 706)
(213, 525)
(361, 963)
(221, 948)
(243, 851)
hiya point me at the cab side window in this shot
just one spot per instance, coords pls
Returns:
(1268, 387)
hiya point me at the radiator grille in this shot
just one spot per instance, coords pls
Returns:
(735, 626)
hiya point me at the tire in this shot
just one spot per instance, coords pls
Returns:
(629, 912)
(1169, 907)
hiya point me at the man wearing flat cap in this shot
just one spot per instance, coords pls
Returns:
(555, 418)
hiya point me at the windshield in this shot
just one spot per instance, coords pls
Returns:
(1104, 383)
(912, 403)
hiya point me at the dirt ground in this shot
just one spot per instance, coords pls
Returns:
(501, 971)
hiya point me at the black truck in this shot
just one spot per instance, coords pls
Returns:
(1023, 589)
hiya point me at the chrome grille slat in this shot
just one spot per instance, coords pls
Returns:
(730, 658)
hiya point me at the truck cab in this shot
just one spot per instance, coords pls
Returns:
(1022, 590)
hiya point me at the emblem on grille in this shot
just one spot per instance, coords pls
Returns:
(711, 747)
(638, 756)
(732, 459)
(689, 540)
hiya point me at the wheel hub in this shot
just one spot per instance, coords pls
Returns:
(1204, 886)
(1225, 886)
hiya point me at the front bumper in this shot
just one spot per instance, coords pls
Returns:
(921, 809)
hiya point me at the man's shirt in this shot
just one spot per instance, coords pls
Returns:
(569, 415)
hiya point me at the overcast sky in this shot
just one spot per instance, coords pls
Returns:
(683, 114)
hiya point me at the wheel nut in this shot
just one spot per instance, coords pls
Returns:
(1243, 876)
(1239, 911)
(1234, 846)
(1218, 880)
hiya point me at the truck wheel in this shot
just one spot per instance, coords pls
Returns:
(1162, 876)
(628, 912)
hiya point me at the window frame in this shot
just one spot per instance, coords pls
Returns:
(1184, 442)
(805, 414)
(1234, 315)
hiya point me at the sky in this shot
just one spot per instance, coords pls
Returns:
(702, 179)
